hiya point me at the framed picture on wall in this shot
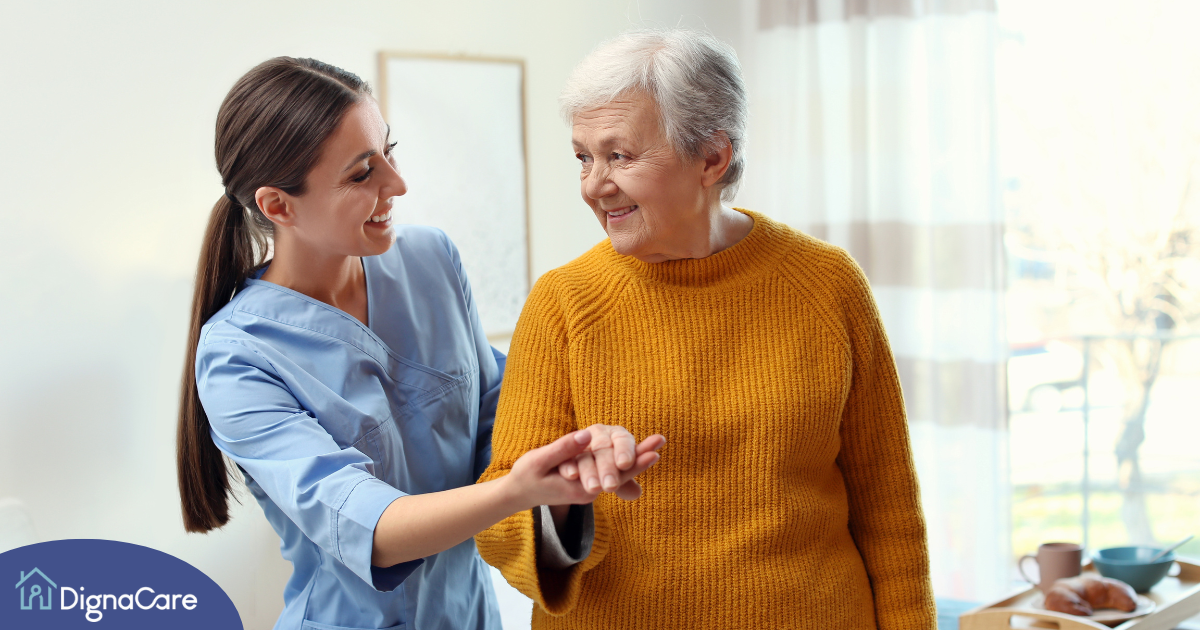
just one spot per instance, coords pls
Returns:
(460, 127)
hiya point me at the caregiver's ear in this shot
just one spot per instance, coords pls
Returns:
(276, 205)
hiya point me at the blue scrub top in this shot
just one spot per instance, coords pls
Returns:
(331, 421)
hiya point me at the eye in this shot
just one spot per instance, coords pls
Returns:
(619, 156)
(388, 151)
(583, 157)
(362, 178)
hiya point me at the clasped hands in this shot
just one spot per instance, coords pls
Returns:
(577, 467)
(612, 461)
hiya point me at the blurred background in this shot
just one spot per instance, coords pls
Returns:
(1099, 142)
(1018, 179)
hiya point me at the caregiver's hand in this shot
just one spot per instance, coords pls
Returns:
(611, 452)
(536, 479)
(420, 525)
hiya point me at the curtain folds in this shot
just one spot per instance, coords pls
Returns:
(873, 127)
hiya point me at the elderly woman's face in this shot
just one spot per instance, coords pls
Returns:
(648, 200)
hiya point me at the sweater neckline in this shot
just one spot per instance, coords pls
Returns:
(746, 260)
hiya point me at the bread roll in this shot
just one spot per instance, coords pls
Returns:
(1084, 594)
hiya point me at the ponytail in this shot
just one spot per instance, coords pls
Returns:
(270, 130)
(232, 248)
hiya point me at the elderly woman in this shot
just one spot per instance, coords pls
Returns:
(788, 497)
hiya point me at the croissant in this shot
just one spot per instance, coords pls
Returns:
(1081, 595)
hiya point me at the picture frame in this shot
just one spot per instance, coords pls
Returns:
(460, 126)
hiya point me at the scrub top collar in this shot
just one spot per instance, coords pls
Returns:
(255, 279)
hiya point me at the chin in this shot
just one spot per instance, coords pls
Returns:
(625, 245)
(381, 246)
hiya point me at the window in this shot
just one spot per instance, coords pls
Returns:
(1099, 140)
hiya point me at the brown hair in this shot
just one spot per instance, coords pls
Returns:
(270, 130)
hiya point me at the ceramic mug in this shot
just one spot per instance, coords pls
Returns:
(1055, 560)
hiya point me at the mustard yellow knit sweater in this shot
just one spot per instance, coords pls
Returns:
(786, 495)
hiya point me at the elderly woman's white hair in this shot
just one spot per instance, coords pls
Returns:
(693, 77)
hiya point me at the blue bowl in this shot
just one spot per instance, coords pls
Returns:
(1132, 565)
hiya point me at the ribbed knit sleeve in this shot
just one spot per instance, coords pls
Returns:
(535, 409)
(886, 520)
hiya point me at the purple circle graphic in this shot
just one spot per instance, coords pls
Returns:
(108, 584)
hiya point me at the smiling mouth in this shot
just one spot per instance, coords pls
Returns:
(381, 218)
(620, 212)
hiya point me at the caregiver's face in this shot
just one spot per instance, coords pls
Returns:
(347, 204)
(643, 194)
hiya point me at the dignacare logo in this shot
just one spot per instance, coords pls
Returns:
(95, 604)
(104, 583)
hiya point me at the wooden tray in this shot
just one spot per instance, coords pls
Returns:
(1178, 598)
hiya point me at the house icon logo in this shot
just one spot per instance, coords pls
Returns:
(40, 591)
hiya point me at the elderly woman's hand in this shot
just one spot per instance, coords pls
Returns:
(612, 453)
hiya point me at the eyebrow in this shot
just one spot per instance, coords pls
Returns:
(369, 154)
(361, 156)
(604, 142)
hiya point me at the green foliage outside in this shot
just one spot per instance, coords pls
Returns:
(1045, 514)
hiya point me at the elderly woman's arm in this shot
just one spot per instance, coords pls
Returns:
(886, 520)
(535, 408)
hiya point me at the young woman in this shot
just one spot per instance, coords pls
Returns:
(348, 377)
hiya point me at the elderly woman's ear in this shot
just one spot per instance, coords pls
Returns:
(717, 159)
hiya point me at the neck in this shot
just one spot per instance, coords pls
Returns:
(334, 279)
(729, 228)
(714, 230)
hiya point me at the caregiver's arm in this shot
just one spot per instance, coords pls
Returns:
(420, 525)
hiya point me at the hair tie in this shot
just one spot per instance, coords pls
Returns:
(232, 198)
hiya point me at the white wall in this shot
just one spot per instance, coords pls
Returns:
(106, 179)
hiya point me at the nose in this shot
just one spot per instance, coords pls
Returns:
(394, 186)
(597, 184)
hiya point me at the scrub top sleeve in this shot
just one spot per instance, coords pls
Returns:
(488, 399)
(325, 489)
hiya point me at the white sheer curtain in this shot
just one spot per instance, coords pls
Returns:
(872, 127)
